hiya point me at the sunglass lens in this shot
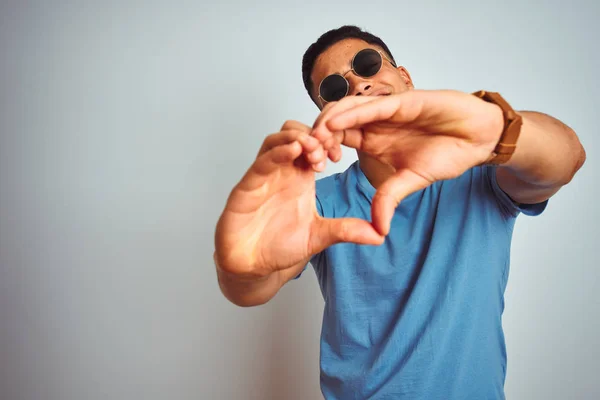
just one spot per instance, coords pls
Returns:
(333, 88)
(367, 62)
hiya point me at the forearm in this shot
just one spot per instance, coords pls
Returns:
(247, 290)
(547, 156)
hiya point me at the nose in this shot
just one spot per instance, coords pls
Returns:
(359, 87)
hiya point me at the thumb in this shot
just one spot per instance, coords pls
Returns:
(390, 194)
(330, 231)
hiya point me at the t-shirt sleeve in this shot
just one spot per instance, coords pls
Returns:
(509, 207)
(315, 259)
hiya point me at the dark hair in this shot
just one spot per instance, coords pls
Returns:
(330, 38)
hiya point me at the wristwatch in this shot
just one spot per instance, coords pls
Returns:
(512, 128)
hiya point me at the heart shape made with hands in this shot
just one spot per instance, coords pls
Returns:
(425, 135)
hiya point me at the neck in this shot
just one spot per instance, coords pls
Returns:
(376, 171)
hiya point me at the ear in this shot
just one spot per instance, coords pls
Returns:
(406, 77)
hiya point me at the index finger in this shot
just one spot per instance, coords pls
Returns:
(331, 138)
(405, 108)
(325, 137)
(380, 109)
(295, 125)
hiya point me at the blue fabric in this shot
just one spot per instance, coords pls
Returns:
(418, 317)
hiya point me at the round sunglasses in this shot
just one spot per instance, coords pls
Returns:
(365, 63)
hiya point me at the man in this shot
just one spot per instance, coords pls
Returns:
(413, 299)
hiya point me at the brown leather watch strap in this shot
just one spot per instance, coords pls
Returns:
(512, 128)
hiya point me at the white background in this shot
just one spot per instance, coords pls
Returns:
(123, 128)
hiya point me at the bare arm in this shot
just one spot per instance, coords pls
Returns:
(547, 156)
(270, 227)
(246, 291)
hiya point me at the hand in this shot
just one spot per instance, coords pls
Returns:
(426, 136)
(270, 221)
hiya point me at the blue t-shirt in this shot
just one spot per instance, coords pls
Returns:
(418, 317)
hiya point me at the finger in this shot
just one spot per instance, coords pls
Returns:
(320, 167)
(334, 146)
(278, 139)
(334, 154)
(390, 194)
(337, 230)
(315, 156)
(354, 138)
(286, 153)
(404, 108)
(256, 180)
(380, 109)
(309, 144)
(331, 139)
(269, 162)
(323, 112)
(320, 128)
(295, 125)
